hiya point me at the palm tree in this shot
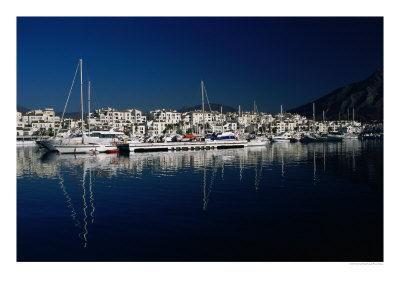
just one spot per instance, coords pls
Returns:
(50, 132)
(169, 127)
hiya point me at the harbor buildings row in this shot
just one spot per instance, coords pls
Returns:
(162, 121)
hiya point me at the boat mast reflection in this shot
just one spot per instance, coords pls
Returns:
(204, 182)
(83, 226)
(84, 233)
(315, 167)
(91, 198)
(172, 163)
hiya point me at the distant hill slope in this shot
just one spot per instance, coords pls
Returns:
(365, 96)
(214, 106)
(22, 109)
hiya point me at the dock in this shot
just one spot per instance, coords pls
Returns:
(179, 146)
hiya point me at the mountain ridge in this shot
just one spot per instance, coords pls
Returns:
(366, 97)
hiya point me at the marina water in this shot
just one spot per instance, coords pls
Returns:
(280, 202)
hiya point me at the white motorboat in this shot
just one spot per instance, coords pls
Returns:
(283, 137)
(257, 141)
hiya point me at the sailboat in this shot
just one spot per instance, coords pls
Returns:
(83, 144)
(257, 140)
(220, 137)
(283, 136)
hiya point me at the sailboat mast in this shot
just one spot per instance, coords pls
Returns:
(313, 113)
(80, 60)
(255, 130)
(353, 116)
(202, 104)
(89, 107)
(222, 122)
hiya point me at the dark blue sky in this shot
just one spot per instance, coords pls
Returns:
(150, 63)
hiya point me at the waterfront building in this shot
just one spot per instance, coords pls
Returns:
(111, 117)
(167, 116)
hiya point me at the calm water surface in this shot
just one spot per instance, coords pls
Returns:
(282, 202)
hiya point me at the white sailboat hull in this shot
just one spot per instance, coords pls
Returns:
(74, 149)
(257, 143)
(277, 140)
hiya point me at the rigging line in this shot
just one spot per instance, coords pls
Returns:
(76, 118)
(77, 115)
(66, 103)
(205, 91)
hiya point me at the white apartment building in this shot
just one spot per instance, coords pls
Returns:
(112, 117)
(158, 127)
(37, 125)
(167, 116)
(247, 118)
(48, 115)
(196, 117)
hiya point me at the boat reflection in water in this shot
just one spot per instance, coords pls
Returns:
(251, 204)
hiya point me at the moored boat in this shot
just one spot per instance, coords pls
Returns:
(282, 138)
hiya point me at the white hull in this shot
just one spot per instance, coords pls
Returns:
(257, 143)
(54, 144)
(51, 144)
(350, 137)
(74, 149)
(281, 140)
(26, 143)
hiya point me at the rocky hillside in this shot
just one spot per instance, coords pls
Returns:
(366, 97)
(22, 109)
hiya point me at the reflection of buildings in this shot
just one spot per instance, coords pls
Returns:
(31, 161)
(257, 169)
